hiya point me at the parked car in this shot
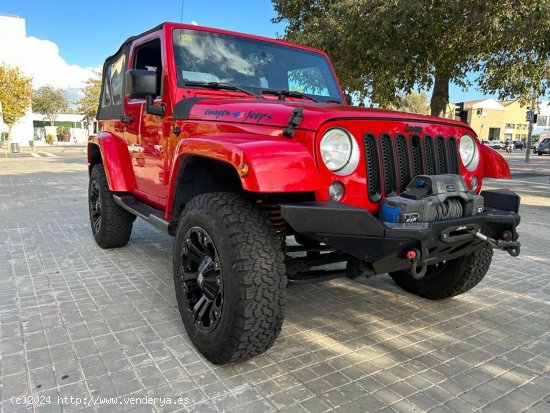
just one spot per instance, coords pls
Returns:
(544, 147)
(486, 143)
(519, 145)
(497, 145)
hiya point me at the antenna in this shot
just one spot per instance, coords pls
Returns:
(181, 16)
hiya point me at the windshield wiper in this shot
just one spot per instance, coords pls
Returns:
(220, 86)
(288, 93)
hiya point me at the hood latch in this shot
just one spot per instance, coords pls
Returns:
(293, 122)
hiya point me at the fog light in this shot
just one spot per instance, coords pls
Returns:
(336, 191)
(474, 183)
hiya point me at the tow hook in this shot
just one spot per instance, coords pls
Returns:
(505, 244)
(415, 256)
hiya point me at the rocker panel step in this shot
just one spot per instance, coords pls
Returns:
(146, 212)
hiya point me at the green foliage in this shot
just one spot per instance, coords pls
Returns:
(88, 104)
(382, 48)
(63, 130)
(49, 139)
(49, 101)
(413, 102)
(15, 94)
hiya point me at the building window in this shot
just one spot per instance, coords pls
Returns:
(542, 120)
(510, 126)
(494, 134)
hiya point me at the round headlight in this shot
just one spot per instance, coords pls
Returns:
(469, 152)
(339, 151)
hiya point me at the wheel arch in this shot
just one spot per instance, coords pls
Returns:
(197, 175)
(276, 167)
(112, 152)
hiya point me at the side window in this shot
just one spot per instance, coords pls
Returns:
(106, 93)
(112, 88)
(149, 57)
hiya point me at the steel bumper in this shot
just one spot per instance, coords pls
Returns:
(384, 246)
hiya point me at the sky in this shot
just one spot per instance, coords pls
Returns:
(73, 37)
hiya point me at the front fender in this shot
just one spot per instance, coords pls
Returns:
(116, 161)
(494, 164)
(276, 165)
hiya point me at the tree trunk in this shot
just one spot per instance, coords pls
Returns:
(440, 95)
(9, 140)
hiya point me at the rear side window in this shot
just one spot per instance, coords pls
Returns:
(112, 89)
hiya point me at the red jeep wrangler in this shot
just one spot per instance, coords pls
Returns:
(245, 149)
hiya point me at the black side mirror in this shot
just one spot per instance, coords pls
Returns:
(142, 84)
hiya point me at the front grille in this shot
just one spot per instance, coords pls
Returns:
(391, 162)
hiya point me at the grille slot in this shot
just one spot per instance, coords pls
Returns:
(431, 167)
(374, 181)
(442, 162)
(416, 152)
(388, 162)
(403, 162)
(453, 156)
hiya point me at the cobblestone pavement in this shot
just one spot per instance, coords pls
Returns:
(76, 320)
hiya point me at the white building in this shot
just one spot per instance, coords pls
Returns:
(543, 118)
(13, 35)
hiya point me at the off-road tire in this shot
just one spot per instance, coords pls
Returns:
(251, 266)
(449, 279)
(115, 224)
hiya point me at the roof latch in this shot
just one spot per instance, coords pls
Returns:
(293, 122)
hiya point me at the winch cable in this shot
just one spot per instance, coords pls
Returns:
(450, 209)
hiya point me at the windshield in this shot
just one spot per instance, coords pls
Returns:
(252, 64)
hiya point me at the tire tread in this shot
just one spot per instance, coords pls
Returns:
(116, 222)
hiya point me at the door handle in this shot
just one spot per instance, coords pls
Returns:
(126, 119)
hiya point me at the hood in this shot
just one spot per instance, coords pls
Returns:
(276, 113)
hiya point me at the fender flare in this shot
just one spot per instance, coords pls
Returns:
(494, 164)
(276, 165)
(116, 160)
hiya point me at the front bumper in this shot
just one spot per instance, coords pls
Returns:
(383, 246)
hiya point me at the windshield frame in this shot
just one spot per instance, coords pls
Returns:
(328, 72)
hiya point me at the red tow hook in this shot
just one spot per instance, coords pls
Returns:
(414, 256)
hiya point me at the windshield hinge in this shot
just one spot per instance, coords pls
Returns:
(293, 122)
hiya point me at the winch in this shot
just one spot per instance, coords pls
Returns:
(432, 198)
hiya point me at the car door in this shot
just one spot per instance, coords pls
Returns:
(142, 131)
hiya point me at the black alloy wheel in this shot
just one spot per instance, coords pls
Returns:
(202, 279)
(95, 205)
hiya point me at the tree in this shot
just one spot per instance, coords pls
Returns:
(88, 104)
(413, 102)
(381, 48)
(49, 101)
(15, 95)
